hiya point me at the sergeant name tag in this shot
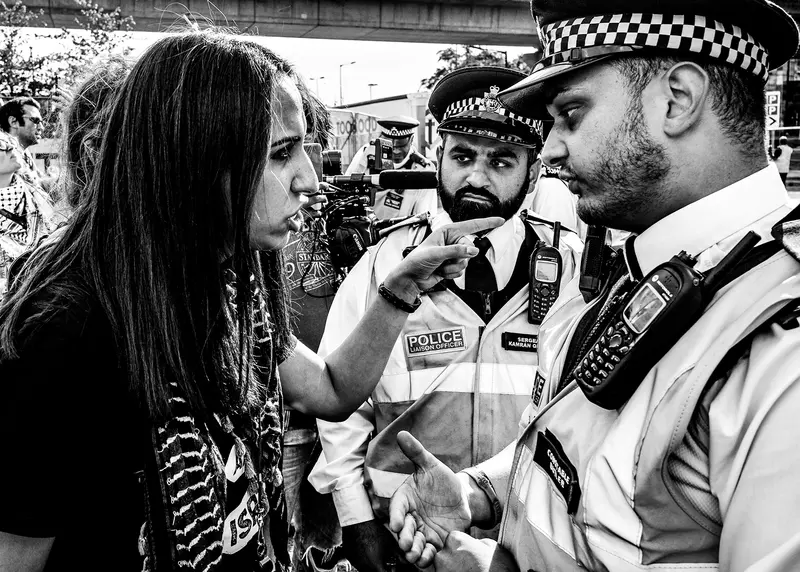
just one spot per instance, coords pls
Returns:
(437, 342)
(514, 342)
(393, 201)
(550, 456)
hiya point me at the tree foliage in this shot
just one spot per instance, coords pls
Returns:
(462, 56)
(26, 69)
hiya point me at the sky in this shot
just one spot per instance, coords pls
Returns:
(396, 68)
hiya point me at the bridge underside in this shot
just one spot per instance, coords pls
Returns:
(503, 22)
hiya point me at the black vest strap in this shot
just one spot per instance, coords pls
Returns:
(519, 279)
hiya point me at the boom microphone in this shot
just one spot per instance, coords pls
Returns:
(388, 179)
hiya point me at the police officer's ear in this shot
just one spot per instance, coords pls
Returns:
(440, 151)
(686, 89)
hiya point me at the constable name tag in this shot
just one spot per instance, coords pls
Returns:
(514, 342)
(550, 456)
(393, 201)
(437, 342)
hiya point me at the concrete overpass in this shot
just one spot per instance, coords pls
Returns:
(493, 22)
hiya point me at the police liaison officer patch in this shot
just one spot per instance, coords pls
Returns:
(437, 342)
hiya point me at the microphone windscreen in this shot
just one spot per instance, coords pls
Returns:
(405, 179)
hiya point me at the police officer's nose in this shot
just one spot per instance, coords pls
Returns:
(477, 178)
(554, 152)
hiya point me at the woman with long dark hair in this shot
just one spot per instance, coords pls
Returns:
(145, 355)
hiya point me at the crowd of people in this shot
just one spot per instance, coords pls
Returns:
(585, 356)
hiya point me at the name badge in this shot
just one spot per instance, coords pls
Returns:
(393, 200)
(550, 456)
(514, 342)
(436, 342)
(240, 526)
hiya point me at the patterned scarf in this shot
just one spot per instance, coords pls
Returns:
(193, 484)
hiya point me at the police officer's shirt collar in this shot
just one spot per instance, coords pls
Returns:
(753, 203)
(506, 241)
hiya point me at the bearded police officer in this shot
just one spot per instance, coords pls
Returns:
(662, 432)
(391, 203)
(458, 375)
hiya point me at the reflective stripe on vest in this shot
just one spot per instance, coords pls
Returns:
(625, 518)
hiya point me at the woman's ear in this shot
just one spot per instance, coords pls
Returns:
(687, 87)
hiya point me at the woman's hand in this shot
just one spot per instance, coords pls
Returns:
(443, 255)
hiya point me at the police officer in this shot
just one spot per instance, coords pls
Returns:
(458, 374)
(689, 460)
(392, 203)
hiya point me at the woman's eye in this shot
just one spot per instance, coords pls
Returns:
(281, 154)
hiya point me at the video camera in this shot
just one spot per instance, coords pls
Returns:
(350, 225)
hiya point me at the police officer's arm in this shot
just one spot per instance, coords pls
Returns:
(22, 553)
(754, 462)
(334, 388)
(340, 471)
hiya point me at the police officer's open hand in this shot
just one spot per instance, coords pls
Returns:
(442, 255)
(428, 506)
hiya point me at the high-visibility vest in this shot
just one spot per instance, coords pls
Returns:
(457, 384)
(589, 488)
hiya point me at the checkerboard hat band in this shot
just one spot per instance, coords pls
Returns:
(397, 133)
(684, 33)
(480, 104)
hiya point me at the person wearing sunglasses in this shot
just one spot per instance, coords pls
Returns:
(22, 119)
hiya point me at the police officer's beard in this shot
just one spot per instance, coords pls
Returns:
(629, 178)
(461, 209)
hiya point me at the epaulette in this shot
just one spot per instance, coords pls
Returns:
(417, 220)
(528, 216)
(420, 159)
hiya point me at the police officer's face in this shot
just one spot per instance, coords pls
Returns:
(480, 177)
(603, 143)
(400, 148)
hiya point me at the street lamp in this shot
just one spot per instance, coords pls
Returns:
(317, 80)
(341, 98)
(371, 85)
(505, 54)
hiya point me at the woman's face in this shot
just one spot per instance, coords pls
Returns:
(288, 177)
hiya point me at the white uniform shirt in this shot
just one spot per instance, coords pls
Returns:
(347, 442)
(738, 462)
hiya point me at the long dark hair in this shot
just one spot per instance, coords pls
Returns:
(181, 157)
(82, 123)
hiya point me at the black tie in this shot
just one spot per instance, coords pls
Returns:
(479, 276)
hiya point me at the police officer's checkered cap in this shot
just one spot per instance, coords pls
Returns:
(685, 33)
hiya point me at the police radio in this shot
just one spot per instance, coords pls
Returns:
(662, 307)
(545, 277)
